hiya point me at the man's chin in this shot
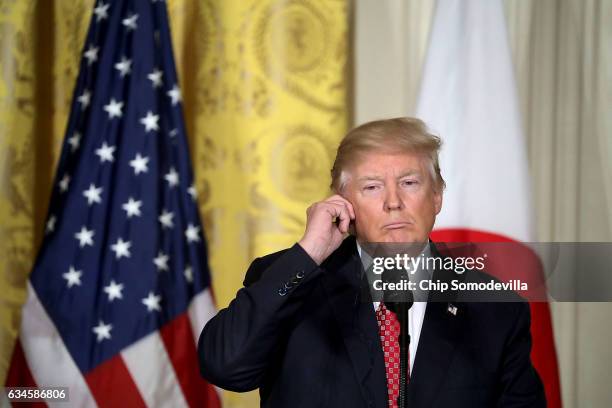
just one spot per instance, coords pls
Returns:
(396, 236)
(402, 238)
(391, 245)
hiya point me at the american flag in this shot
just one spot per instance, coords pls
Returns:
(121, 288)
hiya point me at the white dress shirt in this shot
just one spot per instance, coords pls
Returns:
(416, 313)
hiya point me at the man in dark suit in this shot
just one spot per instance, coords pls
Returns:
(301, 332)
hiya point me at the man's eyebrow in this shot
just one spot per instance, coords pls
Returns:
(411, 172)
(370, 178)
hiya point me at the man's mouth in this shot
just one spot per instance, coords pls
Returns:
(396, 225)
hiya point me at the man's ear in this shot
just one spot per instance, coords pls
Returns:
(438, 198)
(351, 228)
(345, 193)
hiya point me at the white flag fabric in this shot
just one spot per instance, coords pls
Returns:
(468, 96)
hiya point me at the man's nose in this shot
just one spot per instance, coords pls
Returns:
(393, 200)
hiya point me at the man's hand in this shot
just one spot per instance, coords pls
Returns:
(326, 223)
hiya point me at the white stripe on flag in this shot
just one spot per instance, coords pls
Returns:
(48, 359)
(201, 309)
(148, 362)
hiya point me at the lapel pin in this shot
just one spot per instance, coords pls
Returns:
(452, 309)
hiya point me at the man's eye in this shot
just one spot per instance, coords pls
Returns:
(371, 187)
(410, 182)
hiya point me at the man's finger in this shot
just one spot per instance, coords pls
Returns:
(344, 224)
(338, 211)
(346, 204)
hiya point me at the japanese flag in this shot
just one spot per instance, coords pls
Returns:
(468, 97)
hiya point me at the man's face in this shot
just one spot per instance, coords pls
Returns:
(394, 198)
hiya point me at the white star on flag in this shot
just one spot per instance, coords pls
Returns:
(175, 94)
(50, 226)
(74, 141)
(172, 177)
(173, 133)
(152, 302)
(85, 237)
(139, 163)
(124, 66)
(101, 11)
(150, 122)
(93, 194)
(73, 277)
(132, 207)
(106, 153)
(114, 108)
(84, 99)
(113, 290)
(103, 330)
(156, 78)
(192, 233)
(161, 261)
(121, 248)
(166, 219)
(130, 22)
(193, 192)
(188, 273)
(63, 183)
(91, 55)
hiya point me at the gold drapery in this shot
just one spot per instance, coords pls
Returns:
(265, 89)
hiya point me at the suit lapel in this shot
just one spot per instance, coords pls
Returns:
(440, 334)
(347, 292)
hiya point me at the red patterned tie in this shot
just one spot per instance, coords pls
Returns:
(389, 330)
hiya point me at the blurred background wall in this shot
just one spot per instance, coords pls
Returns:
(269, 88)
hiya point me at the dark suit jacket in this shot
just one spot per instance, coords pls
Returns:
(303, 335)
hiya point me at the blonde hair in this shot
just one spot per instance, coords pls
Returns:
(398, 135)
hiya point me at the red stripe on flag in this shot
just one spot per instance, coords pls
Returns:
(112, 385)
(19, 374)
(543, 352)
(178, 337)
